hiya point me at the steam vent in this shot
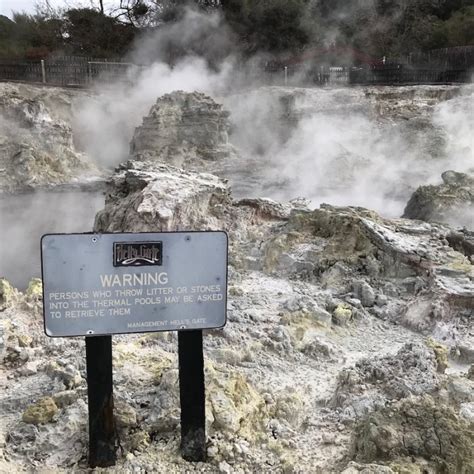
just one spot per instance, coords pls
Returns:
(183, 129)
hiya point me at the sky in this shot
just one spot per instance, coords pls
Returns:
(6, 6)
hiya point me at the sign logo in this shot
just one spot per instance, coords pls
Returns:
(137, 254)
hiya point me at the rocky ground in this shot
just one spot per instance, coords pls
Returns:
(46, 180)
(451, 202)
(371, 147)
(348, 347)
(37, 146)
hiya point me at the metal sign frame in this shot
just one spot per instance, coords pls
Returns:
(121, 238)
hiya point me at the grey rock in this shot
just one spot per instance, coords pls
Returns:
(183, 129)
(69, 375)
(36, 142)
(66, 397)
(416, 427)
(461, 389)
(466, 412)
(155, 197)
(364, 292)
(125, 415)
(464, 353)
(318, 348)
(412, 371)
(381, 300)
(451, 202)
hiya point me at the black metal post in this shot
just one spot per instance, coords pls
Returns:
(102, 433)
(192, 395)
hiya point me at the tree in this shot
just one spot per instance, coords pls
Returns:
(393, 27)
(148, 13)
(458, 30)
(92, 34)
(267, 25)
(377, 27)
(32, 36)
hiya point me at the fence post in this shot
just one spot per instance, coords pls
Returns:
(43, 72)
(286, 75)
(89, 71)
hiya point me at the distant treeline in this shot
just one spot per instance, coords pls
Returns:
(391, 28)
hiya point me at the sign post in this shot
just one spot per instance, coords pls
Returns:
(97, 285)
(192, 395)
(102, 433)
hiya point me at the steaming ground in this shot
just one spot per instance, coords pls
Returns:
(26, 217)
(349, 336)
(349, 340)
(370, 147)
(345, 146)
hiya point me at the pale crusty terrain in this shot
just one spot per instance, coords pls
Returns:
(348, 347)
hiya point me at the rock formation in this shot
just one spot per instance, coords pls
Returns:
(417, 428)
(451, 202)
(157, 197)
(185, 130)
(372, 383)
(36, 144)
(349, 265)
(348, 346)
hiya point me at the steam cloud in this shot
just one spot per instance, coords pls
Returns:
(104, 125)
(26, 217)
(343, 153)
(328, 145)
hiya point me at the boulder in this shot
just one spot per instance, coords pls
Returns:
(364, 292)
(147, 197)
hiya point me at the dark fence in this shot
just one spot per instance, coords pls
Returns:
(67, 71)
(20, 70)
(457, 58)
(83, 71)
(441, 66)
(374, 75)
(402, 74)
